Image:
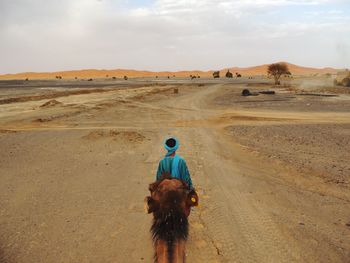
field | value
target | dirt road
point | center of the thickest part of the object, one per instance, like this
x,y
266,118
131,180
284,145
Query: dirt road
x,y
73,179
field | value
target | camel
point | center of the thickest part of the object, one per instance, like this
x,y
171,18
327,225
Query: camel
x,y
216,74
229,74
170,202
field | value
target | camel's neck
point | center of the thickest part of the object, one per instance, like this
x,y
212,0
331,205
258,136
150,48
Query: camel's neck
x,y
170,231
177,251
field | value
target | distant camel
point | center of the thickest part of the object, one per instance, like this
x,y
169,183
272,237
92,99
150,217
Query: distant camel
x,y
216,74
229,74
170,202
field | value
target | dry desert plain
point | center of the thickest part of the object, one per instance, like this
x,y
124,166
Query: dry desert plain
x,y
272,171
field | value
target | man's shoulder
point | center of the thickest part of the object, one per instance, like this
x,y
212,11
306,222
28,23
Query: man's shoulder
x,y
168,159
165,160
182,160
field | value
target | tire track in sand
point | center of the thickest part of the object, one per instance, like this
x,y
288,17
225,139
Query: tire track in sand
x,y
236,228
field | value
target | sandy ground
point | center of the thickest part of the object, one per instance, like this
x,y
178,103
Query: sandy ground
x,y
74,172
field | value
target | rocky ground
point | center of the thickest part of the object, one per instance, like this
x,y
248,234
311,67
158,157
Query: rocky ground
x,y
272,171
313,149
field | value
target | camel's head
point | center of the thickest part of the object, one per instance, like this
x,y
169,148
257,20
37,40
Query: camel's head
x,y
170,193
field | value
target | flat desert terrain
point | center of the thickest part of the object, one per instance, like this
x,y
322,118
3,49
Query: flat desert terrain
x,y
272,171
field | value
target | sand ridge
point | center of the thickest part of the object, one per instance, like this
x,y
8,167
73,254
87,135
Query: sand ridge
x,y
120,73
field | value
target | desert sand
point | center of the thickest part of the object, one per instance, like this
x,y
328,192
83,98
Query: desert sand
x,y
86,74
271,171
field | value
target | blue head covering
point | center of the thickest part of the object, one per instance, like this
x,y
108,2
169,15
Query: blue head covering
x,y
171,150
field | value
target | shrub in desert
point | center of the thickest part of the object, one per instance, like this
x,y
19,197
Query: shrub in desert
x,y
198,77
125,77
216,74
168,77
114,78
229,74
193,77
107,76
90,79
276,70
238,75
75,78
26,79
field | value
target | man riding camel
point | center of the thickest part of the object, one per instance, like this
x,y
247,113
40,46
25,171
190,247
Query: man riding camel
x,y
174,164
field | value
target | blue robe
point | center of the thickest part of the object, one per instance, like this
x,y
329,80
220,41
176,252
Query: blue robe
x,y
165,165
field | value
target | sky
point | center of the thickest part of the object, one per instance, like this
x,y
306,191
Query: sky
x,y
52,35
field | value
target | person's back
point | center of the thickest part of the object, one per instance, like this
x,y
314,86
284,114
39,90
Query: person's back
x,y
174,164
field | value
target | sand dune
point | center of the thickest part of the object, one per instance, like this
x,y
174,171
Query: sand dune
x,y
120,73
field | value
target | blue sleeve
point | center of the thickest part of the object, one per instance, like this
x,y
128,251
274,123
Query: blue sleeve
x,y
159,171
185,174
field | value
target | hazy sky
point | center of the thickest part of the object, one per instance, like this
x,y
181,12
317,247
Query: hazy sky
x,y
48,35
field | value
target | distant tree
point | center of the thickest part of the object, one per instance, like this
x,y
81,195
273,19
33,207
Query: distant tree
x,y
238,75
216,74
276,70
229,74
125,77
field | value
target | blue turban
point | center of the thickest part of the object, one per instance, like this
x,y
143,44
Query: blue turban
x,y
171,150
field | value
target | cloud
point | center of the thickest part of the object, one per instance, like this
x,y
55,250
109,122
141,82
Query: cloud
x,y
41,35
